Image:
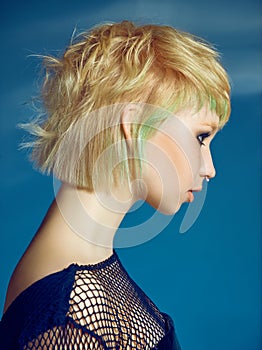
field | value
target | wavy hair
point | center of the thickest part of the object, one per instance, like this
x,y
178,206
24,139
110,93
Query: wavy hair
x,y
118,63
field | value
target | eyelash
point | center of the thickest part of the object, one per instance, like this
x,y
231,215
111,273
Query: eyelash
x,y
202,137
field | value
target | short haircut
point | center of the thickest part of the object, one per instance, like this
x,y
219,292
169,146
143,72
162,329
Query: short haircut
x,y
118,63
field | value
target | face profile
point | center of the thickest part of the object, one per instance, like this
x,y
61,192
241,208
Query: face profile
x,y
184,160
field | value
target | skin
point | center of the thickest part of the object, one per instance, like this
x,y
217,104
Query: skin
x,y
171,169
178,163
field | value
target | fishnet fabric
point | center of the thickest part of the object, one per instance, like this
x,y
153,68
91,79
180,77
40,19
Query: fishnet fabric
x,y
106,310
66,337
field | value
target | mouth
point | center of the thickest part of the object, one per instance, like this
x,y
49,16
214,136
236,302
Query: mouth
x,y
196,189
191,195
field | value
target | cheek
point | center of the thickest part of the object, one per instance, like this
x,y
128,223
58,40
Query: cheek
x,y
167,175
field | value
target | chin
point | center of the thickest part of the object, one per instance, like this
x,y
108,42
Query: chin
x,y
168,209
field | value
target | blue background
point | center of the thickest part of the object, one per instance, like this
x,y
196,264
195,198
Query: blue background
x,y
209,278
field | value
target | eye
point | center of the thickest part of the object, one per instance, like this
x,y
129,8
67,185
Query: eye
x,y
202,137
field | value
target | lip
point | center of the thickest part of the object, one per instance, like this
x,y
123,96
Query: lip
x,y
191,195
196,189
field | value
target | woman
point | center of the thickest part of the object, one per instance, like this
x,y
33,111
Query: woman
x,y
130,114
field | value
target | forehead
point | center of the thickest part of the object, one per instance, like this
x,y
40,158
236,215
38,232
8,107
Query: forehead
x,y
202,117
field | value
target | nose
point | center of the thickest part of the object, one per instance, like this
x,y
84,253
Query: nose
x,y
207,167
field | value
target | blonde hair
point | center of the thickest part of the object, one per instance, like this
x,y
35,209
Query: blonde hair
x,y
116,64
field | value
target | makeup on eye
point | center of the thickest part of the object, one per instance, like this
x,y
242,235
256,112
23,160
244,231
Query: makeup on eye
x,y
201,137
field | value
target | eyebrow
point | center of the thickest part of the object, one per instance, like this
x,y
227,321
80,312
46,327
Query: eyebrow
x,y
213,125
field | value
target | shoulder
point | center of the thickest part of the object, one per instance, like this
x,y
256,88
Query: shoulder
x,y
53,309
28,293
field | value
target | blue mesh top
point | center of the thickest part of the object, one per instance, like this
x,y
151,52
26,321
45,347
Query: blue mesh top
x,y
86,307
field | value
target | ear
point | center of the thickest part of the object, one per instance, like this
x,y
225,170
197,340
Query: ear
x,y
128,117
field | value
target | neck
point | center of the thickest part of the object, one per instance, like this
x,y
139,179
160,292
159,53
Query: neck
x,y
86,222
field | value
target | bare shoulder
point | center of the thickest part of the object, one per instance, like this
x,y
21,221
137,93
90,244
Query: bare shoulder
x,y
49,252
36,263
41,258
